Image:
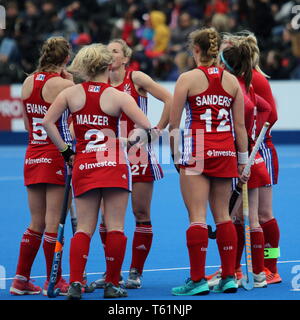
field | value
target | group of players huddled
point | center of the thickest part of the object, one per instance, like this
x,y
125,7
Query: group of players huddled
x,y
98,127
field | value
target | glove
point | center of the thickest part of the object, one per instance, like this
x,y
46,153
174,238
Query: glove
x,y
67,153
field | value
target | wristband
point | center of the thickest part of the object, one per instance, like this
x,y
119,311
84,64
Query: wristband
x,y
242,157
67,153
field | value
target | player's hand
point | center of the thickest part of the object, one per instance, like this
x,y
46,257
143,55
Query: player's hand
x,y
70,163
140,137
68,155
243,177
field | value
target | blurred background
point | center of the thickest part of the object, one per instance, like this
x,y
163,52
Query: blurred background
x,y
156,30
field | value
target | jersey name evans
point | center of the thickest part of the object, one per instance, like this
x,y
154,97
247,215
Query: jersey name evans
x,y
92,119
213,100
36,108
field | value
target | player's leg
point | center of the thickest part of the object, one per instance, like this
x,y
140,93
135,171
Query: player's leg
x,y
100,283
271,232
54,201
115,202
31,241
87,206
226,234
257,240
195,193
141,203
102,226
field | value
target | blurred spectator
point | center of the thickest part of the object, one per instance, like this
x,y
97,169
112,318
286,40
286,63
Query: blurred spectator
x,y
126,27
221,22
9,52
161,36
165,69
216,6
145,35
179,35
9,59
12,14
262,20
175,13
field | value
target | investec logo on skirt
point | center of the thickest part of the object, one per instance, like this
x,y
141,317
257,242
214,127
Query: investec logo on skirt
x,y
89,166
221,153
38,161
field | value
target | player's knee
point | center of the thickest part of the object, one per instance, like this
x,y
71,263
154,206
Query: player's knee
x,y
141,215
264,215
222,217
38,226
51,227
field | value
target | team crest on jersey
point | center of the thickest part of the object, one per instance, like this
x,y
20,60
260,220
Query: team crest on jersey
x,y
213,71
40,77
127,88
94,88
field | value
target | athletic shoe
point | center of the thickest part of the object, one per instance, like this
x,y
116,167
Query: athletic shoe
x,y
21,287
75,291
214,278
111,291
191,288
272,277
62,285
100,283
227,285
239,276
134,279
260,280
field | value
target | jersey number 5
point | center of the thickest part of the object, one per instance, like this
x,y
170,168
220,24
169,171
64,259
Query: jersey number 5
x,y
38,131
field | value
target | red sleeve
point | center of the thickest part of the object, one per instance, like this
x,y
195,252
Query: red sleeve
x,y
264,111
263,89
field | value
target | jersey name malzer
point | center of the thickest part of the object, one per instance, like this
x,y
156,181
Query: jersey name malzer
x,y
92,119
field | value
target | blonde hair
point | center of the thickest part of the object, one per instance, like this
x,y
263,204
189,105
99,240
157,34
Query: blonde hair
x,y
208,40
54,53
127,51
250,38
91,60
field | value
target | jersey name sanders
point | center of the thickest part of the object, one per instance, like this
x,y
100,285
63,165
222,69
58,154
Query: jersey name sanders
x,y
213,100
92,119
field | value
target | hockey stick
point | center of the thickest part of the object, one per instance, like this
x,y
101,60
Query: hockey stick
x,y
237,191
59,241
247,282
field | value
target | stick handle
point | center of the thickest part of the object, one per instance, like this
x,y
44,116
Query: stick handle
x,y
60,236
